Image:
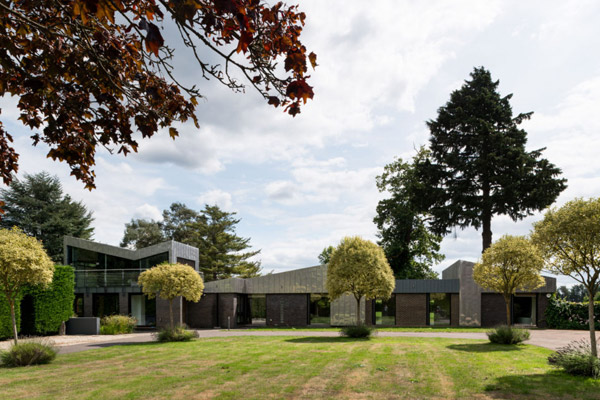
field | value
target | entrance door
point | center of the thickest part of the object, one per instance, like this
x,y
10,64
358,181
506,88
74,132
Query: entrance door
x,y
524,310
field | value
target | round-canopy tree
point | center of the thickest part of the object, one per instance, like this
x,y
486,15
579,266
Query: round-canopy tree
x,y
359,267
23,261
569,238
512,263
169,281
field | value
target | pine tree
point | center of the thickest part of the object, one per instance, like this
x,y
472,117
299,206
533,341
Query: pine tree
x,y
36,205
478,166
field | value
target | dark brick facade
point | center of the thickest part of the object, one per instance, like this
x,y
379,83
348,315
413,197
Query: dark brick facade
x,y
411,309
369,314
202,314
227,310
287,309
88,306
493,310
542,303
454,309
162,312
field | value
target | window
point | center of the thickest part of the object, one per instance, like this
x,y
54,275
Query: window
x,y
105,304
258,309
439,309
152,261
320,311
78,305
143,310
86,259
385,311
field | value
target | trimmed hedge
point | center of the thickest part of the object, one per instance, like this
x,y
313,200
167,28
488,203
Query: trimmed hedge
x,y
51,306
562,314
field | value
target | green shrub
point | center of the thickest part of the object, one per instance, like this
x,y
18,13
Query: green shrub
x,y
562,314
28,353
507,335
357,331
177,334
576,359
117,324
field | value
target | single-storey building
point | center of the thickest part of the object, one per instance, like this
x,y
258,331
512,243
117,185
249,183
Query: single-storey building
x,y
106,282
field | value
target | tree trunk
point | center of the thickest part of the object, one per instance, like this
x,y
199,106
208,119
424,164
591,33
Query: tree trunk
x,y
171,312
486,218
11,301
507,302
358,311
592,322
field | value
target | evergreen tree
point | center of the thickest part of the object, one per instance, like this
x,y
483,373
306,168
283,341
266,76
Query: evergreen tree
x,y
478,166
36,204
410,248
211,230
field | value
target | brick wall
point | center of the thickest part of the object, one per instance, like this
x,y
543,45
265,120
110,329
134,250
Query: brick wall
x,y
493,310
411,309
287,309
542,304
369,316
162,312
227,307
202,314
123,303
454,309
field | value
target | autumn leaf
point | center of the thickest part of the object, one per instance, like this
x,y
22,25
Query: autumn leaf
x,y
313,59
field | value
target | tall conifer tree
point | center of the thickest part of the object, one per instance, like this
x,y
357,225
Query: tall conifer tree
x,y
478,165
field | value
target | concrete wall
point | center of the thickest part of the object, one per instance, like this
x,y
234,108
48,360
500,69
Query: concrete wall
x,y
287,309
411,309
202,314
162,312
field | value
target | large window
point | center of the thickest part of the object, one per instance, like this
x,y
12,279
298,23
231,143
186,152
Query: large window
x,y
85,259
439,309
143,310
152,261
258,309
320,310
385,311
105,304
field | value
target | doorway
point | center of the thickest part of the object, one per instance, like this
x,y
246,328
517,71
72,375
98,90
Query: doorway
x,y
524,310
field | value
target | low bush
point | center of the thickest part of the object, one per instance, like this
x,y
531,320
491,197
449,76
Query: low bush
x,y
28,353
507,335
177,334
357,331
117,324
576,359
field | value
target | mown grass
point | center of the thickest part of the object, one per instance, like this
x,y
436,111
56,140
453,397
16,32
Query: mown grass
x,y
381,329
300,367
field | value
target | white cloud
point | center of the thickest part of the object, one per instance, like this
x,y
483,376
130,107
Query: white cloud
x,y
147,211
216,197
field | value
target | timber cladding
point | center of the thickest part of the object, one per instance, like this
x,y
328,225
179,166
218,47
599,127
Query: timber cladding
x,y
287,309
411,309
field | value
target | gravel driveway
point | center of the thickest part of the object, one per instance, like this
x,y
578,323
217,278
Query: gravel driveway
x,y
549,338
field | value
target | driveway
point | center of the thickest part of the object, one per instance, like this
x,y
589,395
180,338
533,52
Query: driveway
x,y
549,338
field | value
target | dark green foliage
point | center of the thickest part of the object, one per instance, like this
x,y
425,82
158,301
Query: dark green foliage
x,y
28,353
212,230
507,335
576,359
576,293
37,205
177,334
562,314
117,324
325,255
357,331
478,166
5,320
410,248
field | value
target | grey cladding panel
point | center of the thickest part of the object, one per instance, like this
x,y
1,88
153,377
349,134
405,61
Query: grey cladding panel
x,y
427,286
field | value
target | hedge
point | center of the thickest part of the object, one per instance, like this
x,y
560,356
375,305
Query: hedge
x,y
562,314
51,306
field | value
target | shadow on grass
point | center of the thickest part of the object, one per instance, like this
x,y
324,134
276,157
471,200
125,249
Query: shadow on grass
x,y
326,339
76,348
554,384
484,347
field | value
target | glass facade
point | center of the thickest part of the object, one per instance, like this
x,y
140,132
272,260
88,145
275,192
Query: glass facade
x,y
105,304
78,305
142,309
439,309
258,309
320,309
385,311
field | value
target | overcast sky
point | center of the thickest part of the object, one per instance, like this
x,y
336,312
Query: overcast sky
x,y
301,184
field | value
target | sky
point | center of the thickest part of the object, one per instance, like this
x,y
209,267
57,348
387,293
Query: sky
x,y
385,67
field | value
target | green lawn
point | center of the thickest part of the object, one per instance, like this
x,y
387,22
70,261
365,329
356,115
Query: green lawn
x,y
381,329
300,367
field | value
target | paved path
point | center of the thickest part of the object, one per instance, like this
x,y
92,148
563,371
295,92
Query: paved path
x,y
551,339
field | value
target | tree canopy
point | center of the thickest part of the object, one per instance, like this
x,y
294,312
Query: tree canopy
x,y
211,230
359,267
325,255
512,263
478,166
569,239
410,247
90,73
23,261
169,281
37,205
